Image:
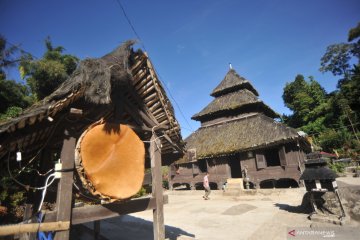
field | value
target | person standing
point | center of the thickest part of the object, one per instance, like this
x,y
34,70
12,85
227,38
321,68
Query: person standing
x,y
206,186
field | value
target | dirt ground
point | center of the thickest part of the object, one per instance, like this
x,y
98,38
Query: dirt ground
x,y
269,215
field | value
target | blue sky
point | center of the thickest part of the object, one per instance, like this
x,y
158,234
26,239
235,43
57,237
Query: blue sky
x,y
191,42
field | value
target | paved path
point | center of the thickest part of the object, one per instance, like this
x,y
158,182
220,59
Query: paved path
x,y
188,216
349,180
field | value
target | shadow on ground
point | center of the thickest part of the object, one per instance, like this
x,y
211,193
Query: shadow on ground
x,y
292,209
128,228
304,208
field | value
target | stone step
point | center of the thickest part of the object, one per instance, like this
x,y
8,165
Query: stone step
x,y
233,185
232,192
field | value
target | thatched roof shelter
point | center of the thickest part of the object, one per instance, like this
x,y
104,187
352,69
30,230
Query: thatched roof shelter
x,y
125,76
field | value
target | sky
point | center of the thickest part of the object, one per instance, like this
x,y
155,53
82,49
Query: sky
x,y
192,42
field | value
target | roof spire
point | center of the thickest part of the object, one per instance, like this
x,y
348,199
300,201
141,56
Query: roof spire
x,y
230,65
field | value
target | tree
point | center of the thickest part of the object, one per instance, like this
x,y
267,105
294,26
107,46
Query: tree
x,y
14,96
351,90
6,56
337,56
336,59
354,33
308,102
334,117
45,75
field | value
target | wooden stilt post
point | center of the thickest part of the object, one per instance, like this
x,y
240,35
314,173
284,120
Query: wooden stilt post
x,y
27,215
64,192
157,190
96,229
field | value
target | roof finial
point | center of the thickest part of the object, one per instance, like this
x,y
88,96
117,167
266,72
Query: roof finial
x,y
230,65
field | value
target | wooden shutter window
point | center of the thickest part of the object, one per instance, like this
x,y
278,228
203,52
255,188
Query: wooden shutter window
x,y
282,156
191,154
195,169
260,161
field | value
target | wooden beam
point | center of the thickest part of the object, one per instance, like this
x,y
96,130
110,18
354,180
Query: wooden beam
x,y
172,143
157,189
64,192
33,227
98,212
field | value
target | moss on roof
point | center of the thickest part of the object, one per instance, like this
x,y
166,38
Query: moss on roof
x,y
234,101
251,132
233,82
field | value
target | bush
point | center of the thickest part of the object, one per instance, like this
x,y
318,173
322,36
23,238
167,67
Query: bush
x,y
11,112
165,184
142,192
337,167
331,139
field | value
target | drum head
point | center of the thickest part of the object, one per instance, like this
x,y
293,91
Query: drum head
x,y
112,161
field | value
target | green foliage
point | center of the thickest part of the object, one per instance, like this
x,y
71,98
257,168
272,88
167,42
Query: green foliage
x,y
330,119
142,192
165,184
350,90
7,53
337,56
337,167
13,94
16,199
42,77
316,126
354,33
292,89
308,102
45,75
3,195
11,112
11,198
165,171
336,59
331,139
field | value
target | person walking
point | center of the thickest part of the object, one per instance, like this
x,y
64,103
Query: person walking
x,y
206,186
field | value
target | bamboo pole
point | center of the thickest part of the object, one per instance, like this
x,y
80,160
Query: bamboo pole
x,y
33,227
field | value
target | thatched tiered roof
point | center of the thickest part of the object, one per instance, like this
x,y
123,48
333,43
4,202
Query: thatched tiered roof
x,y
233,82
124,77
248,132
234,96
234,102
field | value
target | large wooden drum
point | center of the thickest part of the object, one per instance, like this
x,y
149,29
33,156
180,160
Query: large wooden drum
x,y
110,161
